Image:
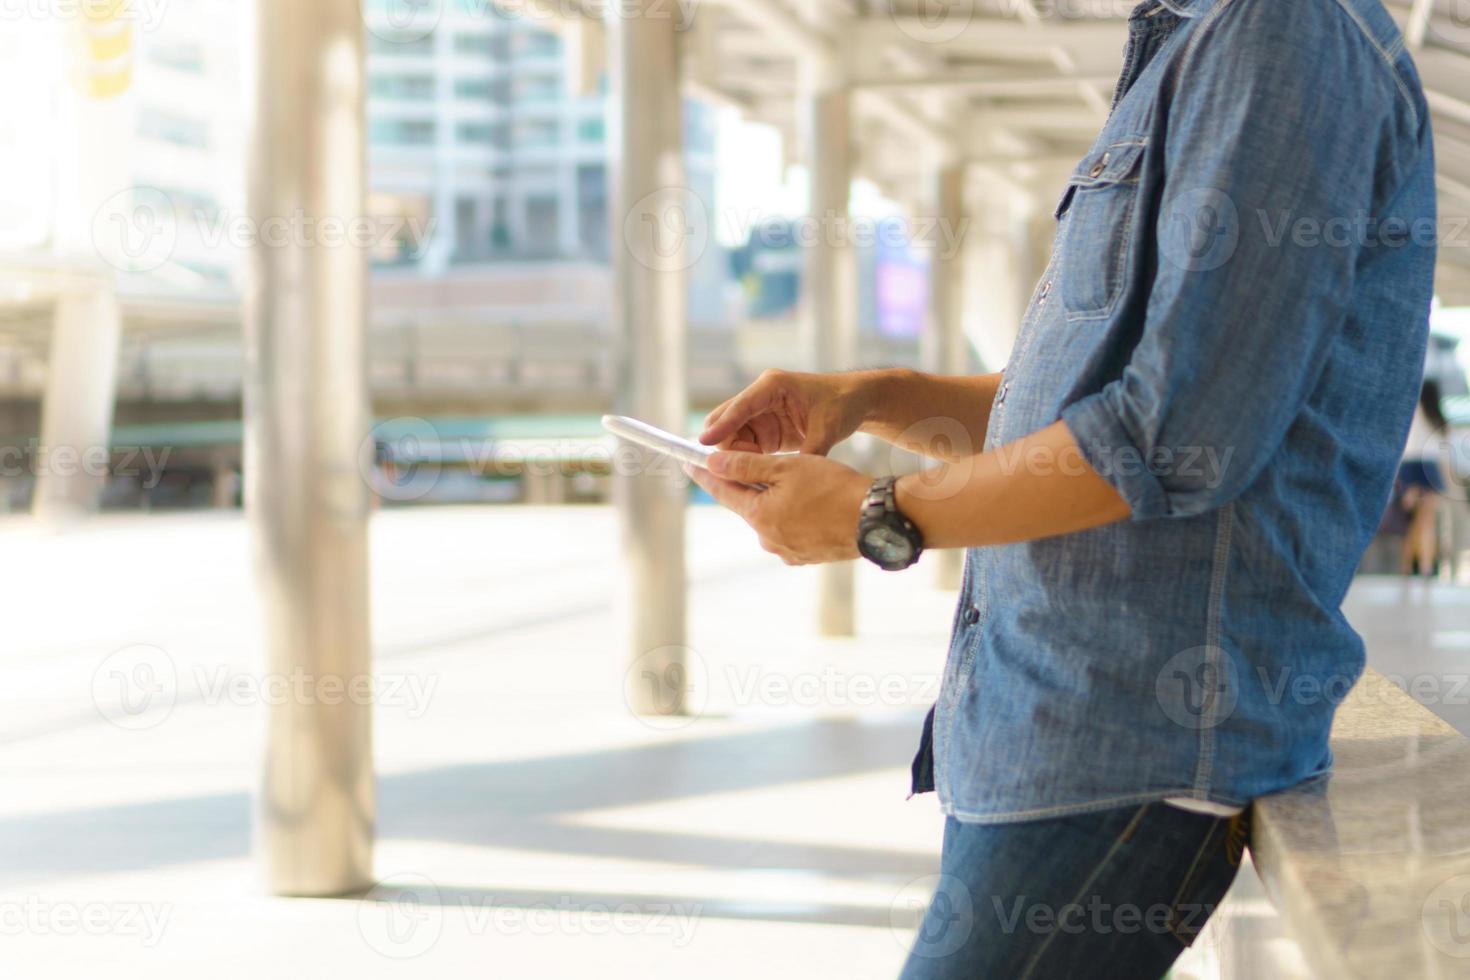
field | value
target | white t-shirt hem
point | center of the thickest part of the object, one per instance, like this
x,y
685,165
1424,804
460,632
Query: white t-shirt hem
x,y
1203,806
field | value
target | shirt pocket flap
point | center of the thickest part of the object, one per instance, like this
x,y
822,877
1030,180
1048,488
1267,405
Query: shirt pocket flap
x,y
1112,164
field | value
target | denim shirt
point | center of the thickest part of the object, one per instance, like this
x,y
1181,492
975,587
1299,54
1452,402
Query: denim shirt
x,y
1232,324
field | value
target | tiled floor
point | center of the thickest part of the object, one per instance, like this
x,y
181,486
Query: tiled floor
x,y
529,825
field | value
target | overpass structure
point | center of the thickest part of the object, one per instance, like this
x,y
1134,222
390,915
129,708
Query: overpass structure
x,y
970,113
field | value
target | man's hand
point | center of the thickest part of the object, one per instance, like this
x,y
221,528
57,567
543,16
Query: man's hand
x,y
784,411
808,512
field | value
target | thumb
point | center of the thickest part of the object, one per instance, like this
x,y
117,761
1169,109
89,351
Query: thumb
x,y
744,467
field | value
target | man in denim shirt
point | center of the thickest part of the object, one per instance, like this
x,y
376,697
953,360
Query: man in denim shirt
x,y
1176,475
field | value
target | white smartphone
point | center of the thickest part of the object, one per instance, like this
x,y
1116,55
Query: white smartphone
x,y
652,437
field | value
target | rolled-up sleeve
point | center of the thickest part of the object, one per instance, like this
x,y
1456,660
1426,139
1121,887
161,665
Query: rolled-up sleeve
x,y
1267,185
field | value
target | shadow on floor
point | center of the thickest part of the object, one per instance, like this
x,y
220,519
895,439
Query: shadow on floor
x,y
521,804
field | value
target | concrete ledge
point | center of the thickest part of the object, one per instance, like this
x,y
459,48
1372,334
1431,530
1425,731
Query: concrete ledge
x,y
1370,867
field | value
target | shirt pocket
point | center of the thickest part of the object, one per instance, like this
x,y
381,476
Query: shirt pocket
x,y
1098,208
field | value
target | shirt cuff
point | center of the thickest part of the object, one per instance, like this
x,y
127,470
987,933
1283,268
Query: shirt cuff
x,y
1110,450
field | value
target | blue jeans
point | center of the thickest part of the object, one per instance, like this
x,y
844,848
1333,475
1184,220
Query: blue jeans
x,y
1118,893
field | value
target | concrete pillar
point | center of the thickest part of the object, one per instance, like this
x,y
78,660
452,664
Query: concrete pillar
x,y
1008,245
222,470
655,238
944,348
77,405
829,284
306,431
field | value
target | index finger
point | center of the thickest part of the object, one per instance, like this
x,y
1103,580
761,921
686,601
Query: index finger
x,y
735,413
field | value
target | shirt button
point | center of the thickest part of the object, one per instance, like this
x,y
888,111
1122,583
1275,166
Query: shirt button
x,y
972,616
1001,396
1099,167
1045,289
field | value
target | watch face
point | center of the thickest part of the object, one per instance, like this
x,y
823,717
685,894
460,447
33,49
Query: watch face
x,y
886,546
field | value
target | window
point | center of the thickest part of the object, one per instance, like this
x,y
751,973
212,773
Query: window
x,y
482,8
408,44
541,225
534,44
592,229
401,132
535,133
474,44
475,88
180,55
488,133
414,88
591,130
538,88
173,128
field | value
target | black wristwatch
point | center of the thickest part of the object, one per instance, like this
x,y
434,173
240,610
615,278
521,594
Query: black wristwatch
x,y
885,537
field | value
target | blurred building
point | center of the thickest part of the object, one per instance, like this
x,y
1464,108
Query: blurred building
x,y
488,215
